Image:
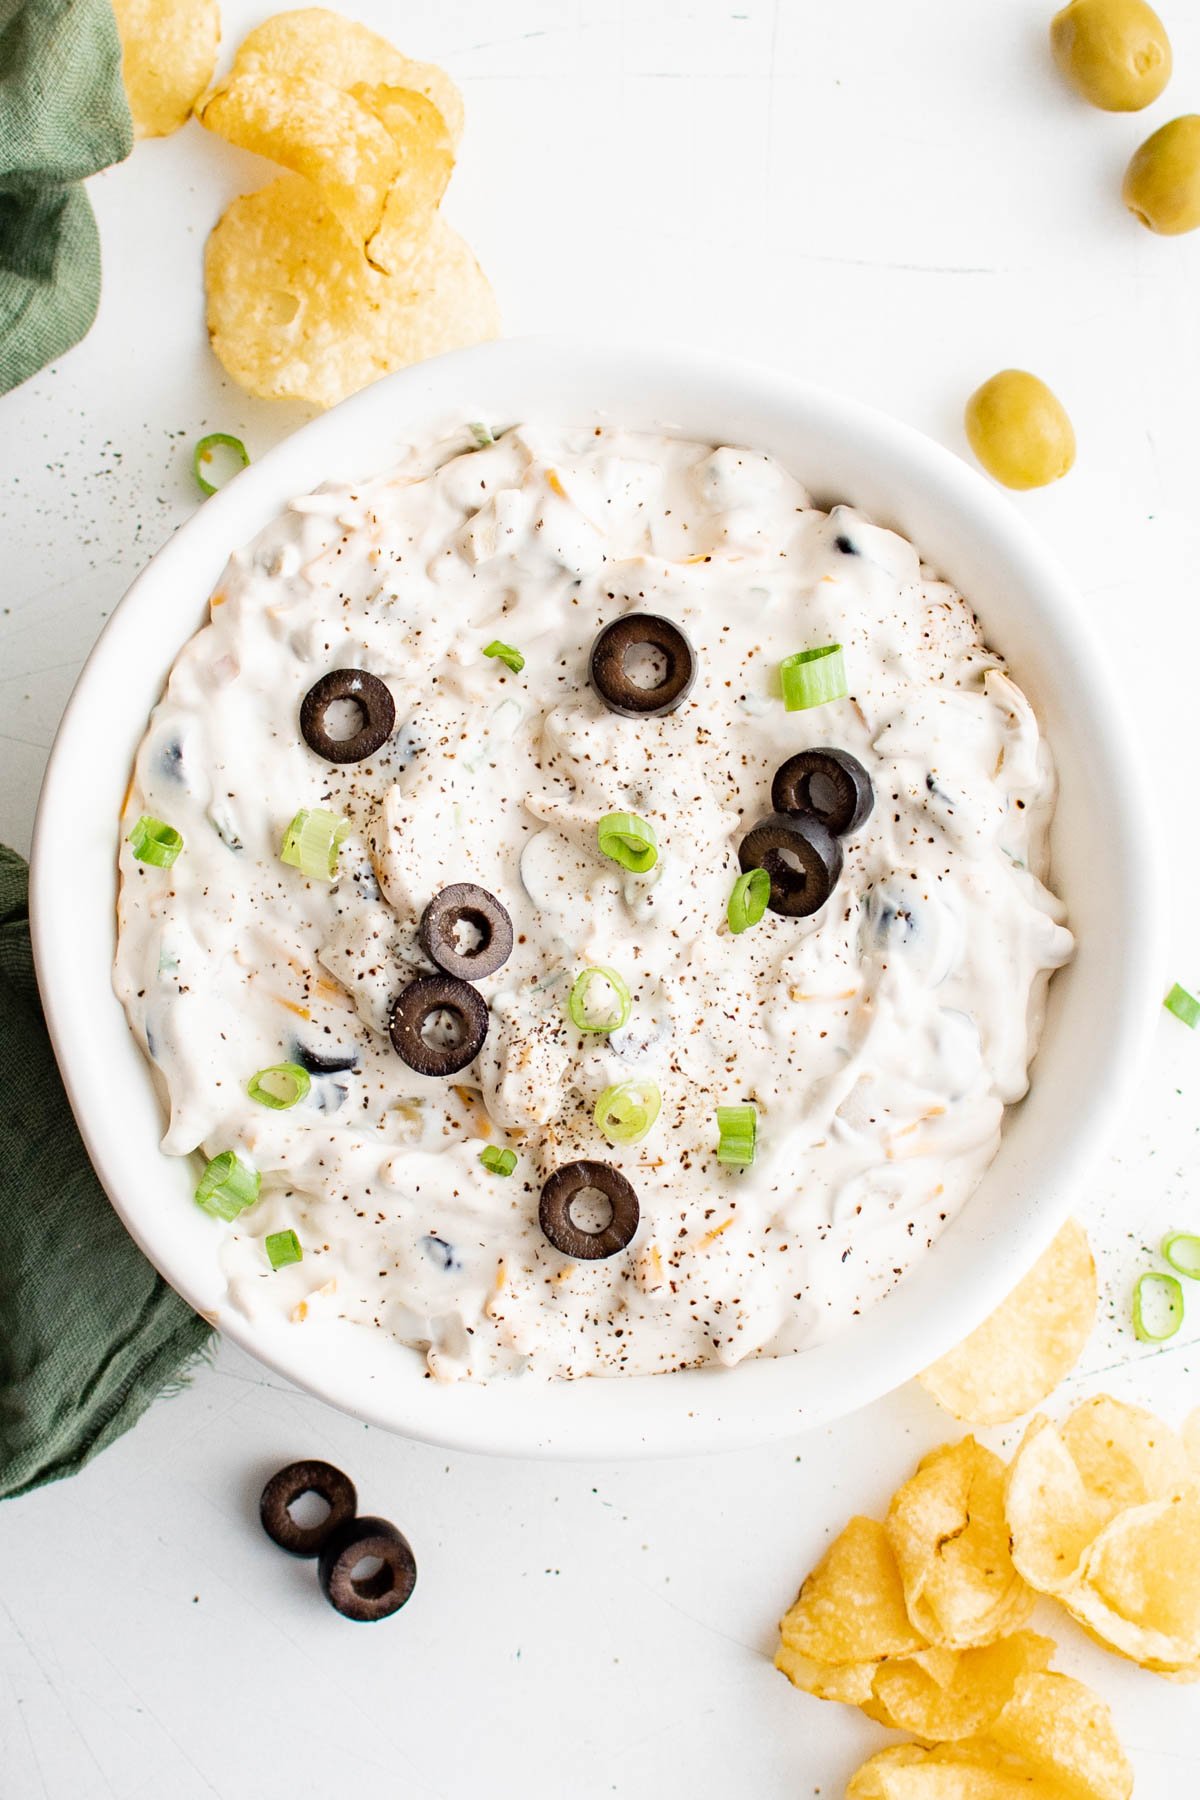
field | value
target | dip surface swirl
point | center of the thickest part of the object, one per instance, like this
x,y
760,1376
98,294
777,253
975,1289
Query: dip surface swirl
x,y
879,1039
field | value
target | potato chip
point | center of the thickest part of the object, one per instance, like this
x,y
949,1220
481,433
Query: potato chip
x,y
851,1608
1064,1733
321,44
1052,1518
848,1682
947,1772
425,151
940,1703
317,131
296,312
168,53
1024,1349
1138,1588
1125,1455
950,1538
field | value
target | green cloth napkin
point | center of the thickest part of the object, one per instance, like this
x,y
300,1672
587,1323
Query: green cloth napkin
x,y
90,1333
63,115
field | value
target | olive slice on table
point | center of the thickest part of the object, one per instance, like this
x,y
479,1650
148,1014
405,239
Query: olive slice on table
x,y
571,1183
655,647
374,1596
286,1487
802,858
487,934
376,708
830,785
463,1023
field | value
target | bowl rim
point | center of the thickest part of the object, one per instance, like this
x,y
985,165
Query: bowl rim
x,y
677,1413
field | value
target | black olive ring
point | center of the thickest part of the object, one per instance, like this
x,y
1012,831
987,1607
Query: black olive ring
x,y
830,785
415,1005
373,1596
619,692
466,904
799,888
285,1488
554,1210
374,701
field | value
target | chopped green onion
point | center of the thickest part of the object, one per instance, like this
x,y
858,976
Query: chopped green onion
x,y
629,841
1168,1307
1182,1250
152,841
283,1247
203,454
812,677
738,1126
311,841
1185,1006
626,1112
227,1187
512,659
592,1008
480,432
497,1161
280,1086
748,901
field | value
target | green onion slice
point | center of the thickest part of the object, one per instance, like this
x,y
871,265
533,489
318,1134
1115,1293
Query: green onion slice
x,y
813,677
283,1247
1182,1250
629,841
311,842
748,901
599,1000
498,1161
202,454
227,1187
512,659
153,841
738,1126
1185,1006
280,1086
481,433
625,1113
1167,1307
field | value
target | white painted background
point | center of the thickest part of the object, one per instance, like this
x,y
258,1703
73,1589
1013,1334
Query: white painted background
x,y
895,199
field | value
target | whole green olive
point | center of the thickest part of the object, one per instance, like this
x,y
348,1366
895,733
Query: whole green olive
x,y
1116,53
1162,182
1019,430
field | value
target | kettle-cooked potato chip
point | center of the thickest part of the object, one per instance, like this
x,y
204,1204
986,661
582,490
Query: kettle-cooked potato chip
x,y
948,1532
1124,1454
947,1772
317,131
851,1608
1064,1733
959,1697
1138,1587
168,54
296,312
1052,1516
1023,1350
316,42
851,1683
425,151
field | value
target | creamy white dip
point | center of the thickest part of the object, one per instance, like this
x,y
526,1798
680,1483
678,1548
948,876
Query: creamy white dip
x,y
880,1039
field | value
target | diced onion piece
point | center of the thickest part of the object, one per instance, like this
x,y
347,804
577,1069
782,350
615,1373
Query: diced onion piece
x,y
1168,1307
813,677
1185,1006
227,1187
498,1161
202,454
748,901
738,1128
283,1247
512,659
311,842
481,433
628,840
154,841
280,1086
592,1008
625,1113
1182,1250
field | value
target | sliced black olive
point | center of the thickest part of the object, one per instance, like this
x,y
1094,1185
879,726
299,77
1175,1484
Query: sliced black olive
x,y
565,1187
376,708
801,857
373,1596
831,785
484,923
845,545
316,1064
665,654
460,1031
285,1488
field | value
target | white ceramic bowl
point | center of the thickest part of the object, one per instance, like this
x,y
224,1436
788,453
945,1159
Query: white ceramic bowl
x,y
1104,856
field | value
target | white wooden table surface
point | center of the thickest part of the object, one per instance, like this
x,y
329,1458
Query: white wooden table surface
x,y
895,199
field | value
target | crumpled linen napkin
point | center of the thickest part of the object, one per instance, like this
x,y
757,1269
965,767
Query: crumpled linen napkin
x,y
63,116
90,1333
